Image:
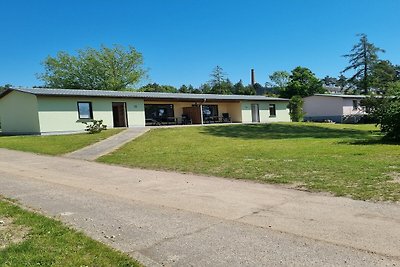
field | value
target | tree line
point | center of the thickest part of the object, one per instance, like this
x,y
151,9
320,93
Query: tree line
x,y
218,84
120,68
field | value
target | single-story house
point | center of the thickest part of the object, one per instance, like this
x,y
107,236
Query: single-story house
x,y
40,110
334,107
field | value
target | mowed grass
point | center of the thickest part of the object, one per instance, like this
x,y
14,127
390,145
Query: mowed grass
x,y
346,160
48,242
54,144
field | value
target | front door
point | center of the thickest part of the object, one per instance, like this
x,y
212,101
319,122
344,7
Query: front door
x,y
119,114
255,113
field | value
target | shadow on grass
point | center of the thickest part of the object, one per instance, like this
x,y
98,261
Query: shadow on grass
x,y
284,131
371,141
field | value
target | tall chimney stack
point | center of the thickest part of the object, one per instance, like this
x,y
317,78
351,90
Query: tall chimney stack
x,y
253,78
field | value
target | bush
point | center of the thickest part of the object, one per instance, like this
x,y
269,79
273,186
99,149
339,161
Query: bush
x,y
296,108
385,110
389,118
94,126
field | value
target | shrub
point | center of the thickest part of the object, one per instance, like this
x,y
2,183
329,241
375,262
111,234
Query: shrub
x,y
389,118
385,110
94,126
296,108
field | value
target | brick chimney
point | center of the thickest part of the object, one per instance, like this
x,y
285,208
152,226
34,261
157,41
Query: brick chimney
x,y
253,78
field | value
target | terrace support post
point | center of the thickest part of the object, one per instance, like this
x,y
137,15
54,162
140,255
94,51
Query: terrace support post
x,y
201,114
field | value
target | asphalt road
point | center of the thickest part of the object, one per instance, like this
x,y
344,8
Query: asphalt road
x,y
170,219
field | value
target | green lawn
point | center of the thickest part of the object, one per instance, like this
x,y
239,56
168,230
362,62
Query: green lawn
x,y
47,242
346,160
54,144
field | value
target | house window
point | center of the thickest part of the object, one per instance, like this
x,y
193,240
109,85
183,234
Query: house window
x,y
159,112
85,110
210,111
272,110
355,104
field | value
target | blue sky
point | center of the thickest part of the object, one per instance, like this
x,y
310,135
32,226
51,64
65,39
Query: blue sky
x,y
183,40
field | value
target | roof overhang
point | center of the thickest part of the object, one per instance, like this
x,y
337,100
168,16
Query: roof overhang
x,y
147,96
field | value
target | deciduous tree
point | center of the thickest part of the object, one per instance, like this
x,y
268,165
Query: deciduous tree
x,y
108,68
155,87
302,82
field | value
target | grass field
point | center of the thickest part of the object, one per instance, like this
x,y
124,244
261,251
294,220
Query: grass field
x,y
30,239
54,144
346,160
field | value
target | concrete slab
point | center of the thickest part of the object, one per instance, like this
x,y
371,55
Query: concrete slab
x,y
108,145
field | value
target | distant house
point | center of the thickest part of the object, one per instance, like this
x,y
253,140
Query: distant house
x,y
40,111
334,89
334,107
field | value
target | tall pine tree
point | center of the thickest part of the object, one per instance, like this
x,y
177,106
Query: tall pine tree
x,y
362,59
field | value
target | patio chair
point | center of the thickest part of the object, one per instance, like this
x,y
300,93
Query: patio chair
x,y
226,117
186,119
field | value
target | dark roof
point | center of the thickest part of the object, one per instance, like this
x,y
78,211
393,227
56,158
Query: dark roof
x,y
134,94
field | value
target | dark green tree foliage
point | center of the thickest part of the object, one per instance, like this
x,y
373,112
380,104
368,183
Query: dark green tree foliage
x,y
193,90
258,89
302,82
205,88
188,89
342,82
155,87
219,83
5,87
385,110
362,59
114,68
279,80
330,81
183,89
224,88
384,73
296,108
238,88
249,90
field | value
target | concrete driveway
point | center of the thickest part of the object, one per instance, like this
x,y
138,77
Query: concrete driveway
x,y
172,219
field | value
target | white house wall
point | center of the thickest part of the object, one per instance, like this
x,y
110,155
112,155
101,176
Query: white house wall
x,y
323,106
348,107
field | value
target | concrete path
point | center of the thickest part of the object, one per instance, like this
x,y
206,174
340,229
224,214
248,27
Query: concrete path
x,y
108,145
171,219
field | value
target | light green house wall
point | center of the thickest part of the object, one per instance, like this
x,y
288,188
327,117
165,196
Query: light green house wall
x,y
282,112
25,113
61,113
19,114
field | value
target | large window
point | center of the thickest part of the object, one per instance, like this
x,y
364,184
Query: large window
x,y
85,110
210,111
159,112
272,110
